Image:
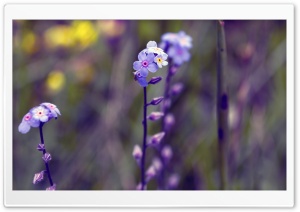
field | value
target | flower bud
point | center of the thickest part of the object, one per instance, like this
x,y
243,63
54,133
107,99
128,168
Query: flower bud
x,y
167,153
41,147
155,139
166,104
155,116
173,181
51,188
173,70
155,80
46,157
150,173
177,88
169,121
137,152
156,163
139,187
38,177
156,100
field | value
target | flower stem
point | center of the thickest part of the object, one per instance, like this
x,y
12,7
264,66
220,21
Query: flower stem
x,y
144,141
44,152
161,177
222,102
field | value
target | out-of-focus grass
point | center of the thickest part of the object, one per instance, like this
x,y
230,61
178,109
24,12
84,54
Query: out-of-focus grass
x,y
85,68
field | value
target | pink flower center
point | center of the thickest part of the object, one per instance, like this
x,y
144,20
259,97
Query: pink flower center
x,y
145,63
27,117
40,113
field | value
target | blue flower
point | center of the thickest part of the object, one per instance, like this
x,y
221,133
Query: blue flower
x,y
145,63
178,54
170,37
184,40
177,46
152,47
53,109
141,80
37,115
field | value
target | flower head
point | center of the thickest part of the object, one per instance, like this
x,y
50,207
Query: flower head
x,y
152,47
53,109
37,115
179,54
184,40
149,60
145,63
161,60
177,46
141,80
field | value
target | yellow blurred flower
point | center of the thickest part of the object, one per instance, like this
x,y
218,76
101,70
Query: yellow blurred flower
x,y
84,33
29,44
58,36
55,81
111,28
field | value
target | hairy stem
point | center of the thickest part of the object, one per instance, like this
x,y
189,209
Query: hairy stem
x,y
144,142
44,152
222,102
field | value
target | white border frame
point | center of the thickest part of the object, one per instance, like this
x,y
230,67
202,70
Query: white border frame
x,y
149,198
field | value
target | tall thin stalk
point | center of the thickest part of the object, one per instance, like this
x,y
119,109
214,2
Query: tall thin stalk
x,y
44,152
143,181
222,102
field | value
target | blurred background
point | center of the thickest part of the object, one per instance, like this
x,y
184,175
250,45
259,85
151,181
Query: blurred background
x,y
85,68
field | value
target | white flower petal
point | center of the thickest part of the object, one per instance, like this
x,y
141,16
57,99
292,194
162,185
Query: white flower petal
x,y
151,44
165,63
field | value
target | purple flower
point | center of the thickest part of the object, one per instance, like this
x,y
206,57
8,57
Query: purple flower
x,y
145,63
40,114
53,109
141,80
170,37
27,122
184,40
152,47
178,54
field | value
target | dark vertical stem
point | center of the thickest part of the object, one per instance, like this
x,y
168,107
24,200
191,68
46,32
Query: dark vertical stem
x,y
144,141
222,102
44,152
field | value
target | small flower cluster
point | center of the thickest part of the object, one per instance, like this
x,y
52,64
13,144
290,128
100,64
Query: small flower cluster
x,y
37,115
177,45
150,59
